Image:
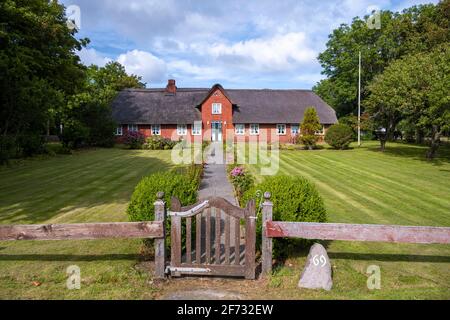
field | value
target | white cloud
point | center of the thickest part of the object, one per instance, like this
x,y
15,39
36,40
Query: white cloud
x,y
281,52
92,56
142,63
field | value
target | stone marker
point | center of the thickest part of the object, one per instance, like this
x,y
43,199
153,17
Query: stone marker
x,y
317,272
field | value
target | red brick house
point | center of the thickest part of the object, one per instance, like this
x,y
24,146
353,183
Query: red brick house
x,y
245,114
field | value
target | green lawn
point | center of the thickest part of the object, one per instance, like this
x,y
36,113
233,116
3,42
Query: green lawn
x,y
364,185
360,185
89,186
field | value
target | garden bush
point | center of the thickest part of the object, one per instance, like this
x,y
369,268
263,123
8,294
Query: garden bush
x,y
159,143
141,207
241,179
134,140
339,136
294,199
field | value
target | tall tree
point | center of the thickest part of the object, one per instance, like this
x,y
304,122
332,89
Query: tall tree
x,y
416,29
309,127
414,89
39,66
87,117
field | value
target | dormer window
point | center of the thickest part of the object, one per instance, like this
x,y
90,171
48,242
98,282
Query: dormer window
x,y
216,108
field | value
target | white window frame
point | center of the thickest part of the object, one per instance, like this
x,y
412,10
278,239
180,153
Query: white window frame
x,y
218,110
196,128
279,126
182,129
133,128
119,131
239,129
292,129
156,129
254,129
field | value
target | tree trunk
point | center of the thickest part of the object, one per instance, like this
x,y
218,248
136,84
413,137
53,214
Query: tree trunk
x,y
435,142
382,144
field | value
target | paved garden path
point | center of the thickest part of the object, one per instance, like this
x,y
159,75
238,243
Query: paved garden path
x,y
215,181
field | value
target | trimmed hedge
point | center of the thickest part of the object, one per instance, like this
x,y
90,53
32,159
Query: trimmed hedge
x,y
294,199
339,136
141,207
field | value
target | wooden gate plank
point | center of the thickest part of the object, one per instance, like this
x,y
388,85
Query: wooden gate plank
x,y
227,239
237,241
250,239
217,218
198,238
208,236
188,240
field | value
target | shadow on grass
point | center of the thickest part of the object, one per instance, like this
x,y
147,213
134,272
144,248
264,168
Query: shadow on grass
x,y
75,183
69,257
415,152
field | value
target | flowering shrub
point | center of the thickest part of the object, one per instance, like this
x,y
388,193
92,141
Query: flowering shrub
x,y
159,143
241,180
134,140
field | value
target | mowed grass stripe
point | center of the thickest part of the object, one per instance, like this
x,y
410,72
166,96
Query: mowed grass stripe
x,y
415,196
339,189
334,200
89,188
395,174
359,187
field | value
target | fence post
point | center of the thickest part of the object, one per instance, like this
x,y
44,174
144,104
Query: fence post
x,y
160,243
266,247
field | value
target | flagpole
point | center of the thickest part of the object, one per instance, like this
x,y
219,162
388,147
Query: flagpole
x,y
359,101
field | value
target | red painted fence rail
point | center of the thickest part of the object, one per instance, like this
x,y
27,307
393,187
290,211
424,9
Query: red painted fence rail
x,y
357,232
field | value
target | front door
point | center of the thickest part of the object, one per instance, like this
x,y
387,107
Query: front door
x,y
216,128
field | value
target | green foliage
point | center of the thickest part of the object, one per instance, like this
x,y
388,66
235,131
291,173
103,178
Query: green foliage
x,y
91,107
141,207
75,134
159,143
241,179
339,136
8,148
310,125
39,68
294,199
134,140
416,29
414,89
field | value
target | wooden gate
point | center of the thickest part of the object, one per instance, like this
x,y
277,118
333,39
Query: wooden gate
x,y
206,239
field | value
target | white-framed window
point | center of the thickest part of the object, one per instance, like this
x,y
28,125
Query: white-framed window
x,y
216,108
254,129
197,128
295,129
119,131
281,129
239,129
156,129
182,129
133,128
321,132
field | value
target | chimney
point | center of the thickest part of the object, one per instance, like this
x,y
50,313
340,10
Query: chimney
x,y
171,88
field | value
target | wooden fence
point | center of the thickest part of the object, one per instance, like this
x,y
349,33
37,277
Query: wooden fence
x,y
341,231
271,229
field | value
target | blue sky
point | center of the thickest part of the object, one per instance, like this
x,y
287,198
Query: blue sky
x,y
239,44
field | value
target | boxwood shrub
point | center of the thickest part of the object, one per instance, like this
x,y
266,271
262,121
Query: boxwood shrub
x,y
294,199
339,136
